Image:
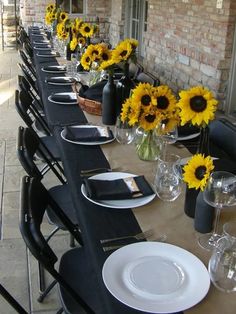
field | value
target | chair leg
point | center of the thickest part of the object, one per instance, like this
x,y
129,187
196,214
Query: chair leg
x,y
60,311
42,285
46,291
72,241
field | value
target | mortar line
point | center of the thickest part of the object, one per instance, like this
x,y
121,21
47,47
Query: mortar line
x,y
2,189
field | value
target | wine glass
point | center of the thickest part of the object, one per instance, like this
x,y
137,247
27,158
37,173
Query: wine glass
x,y
220,192
124,133
222,264
168,179
168,135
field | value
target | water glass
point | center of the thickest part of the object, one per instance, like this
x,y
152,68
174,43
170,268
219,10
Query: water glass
x,y
124,133
168,179
229,230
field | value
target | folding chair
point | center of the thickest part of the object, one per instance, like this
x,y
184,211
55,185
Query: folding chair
x,y
27,63
145,77
30,114
71,274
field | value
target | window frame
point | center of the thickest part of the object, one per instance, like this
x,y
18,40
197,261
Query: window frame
x,y
76,14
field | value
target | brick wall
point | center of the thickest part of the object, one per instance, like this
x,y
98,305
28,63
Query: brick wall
x,y
190,43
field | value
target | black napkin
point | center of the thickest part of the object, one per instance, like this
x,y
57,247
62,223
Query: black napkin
x,y
60,80
86,134
116,189
93,92
63,98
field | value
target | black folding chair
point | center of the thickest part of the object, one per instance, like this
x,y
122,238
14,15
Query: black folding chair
x,y
145,77
30,147
29,113
28,75
74,284
29,65
12,301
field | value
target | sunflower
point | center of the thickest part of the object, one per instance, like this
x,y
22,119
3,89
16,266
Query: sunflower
x,y
106,54
81,41
105,65
125,110
143,96
197,171
73,44
197,106
149,120
94,52
86,61
122,51
165,99
86,30
63,16
50,7
78,23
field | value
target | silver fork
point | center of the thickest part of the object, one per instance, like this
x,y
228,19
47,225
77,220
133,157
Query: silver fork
x,y
138,236
161,238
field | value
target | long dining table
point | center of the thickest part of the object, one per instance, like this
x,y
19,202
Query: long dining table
x,y
97,222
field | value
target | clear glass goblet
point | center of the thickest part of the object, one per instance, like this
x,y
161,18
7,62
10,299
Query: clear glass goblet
x,y
167,134
220,192
168,179
124,133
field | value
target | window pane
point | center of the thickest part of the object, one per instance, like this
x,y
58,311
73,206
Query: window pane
x,y
64,5
77,6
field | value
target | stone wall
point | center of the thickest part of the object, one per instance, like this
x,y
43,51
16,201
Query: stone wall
x,y
117,21
10,22
189,42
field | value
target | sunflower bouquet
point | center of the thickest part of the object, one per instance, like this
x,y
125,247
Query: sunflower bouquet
x,y
147,107
52,15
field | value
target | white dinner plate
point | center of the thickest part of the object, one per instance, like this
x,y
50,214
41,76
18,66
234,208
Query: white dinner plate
x,y
188,137
41,42
42,48
119,204
67,80
48,55
156,277
54,69
85,143
73,96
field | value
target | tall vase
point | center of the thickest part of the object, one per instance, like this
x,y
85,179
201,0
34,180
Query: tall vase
x,y
109,102
192,194
123,87
147,146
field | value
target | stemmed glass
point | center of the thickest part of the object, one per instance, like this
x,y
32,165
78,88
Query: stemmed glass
x,y
168,136
124,133
220,192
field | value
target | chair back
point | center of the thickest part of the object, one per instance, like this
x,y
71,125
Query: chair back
x,y
26,86
34,200
28,146
134,70
27,63
28,111
28,76
145,77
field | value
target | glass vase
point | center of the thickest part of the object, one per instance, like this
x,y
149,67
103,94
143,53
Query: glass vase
x,y
147,145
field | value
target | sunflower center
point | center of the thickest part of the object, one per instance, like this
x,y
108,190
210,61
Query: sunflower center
x,y
87,29
162,102
200,172
198,103
63,16
150,118
105,56
124,53
145,100
87,59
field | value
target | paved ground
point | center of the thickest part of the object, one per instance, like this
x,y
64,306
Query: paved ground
x,y
18,269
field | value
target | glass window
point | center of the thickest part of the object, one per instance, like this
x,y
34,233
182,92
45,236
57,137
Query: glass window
x,y
72,6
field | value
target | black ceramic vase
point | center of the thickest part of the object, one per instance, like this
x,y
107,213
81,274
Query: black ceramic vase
x,y
190,202
123,88
204,215
203,146
109,102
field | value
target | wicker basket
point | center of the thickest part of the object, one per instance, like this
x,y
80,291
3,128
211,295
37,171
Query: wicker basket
x,y
90,106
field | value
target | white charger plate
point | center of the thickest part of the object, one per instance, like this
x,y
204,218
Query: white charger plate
x,y
72,96
41,42
85,143
188,137
119,204
54,69
156,277
48,55
67,80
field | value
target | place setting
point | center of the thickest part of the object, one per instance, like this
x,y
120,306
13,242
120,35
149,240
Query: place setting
x,y
65,98
61,80
54,69
50,54
87,134
120,190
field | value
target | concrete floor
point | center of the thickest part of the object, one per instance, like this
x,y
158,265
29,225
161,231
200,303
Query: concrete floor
x,y
18,269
